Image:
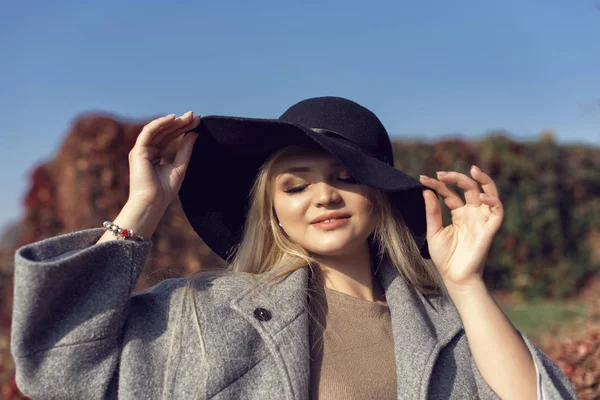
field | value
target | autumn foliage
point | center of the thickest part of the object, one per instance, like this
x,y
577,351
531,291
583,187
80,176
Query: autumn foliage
x,y
549,244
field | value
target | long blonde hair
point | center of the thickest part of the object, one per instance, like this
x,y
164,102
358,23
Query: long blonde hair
x,y
265,249
266,254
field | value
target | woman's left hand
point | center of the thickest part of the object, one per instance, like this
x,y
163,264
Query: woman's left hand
x,y
460,249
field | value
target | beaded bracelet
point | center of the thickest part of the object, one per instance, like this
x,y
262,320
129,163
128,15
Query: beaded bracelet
x,y
121,233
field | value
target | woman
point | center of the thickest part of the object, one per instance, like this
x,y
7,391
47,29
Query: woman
x,y
329,292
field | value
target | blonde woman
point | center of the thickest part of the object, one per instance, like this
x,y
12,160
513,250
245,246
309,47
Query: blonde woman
x,y
342,283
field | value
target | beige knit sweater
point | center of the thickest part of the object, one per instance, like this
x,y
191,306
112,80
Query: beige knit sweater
x,y
352,348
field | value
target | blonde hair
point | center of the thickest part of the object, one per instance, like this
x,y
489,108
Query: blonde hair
x,y
265,253
264,247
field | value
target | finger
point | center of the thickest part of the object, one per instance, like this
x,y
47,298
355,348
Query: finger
x,y
487,183
193,121
451,198
184,153
494,203
433,213
180,122
177,133
145,136
470,187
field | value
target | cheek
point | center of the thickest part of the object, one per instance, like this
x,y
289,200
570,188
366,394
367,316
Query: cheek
x,y
290,208
364,208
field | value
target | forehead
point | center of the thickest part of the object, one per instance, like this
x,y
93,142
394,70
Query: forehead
x,y
299,158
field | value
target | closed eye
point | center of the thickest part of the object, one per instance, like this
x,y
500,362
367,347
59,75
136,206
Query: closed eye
x,y
296,189
299,189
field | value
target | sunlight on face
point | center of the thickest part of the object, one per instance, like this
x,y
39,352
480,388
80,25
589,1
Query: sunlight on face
x,y
307,184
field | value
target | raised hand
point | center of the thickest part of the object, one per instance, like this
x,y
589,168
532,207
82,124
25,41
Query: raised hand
x,y
460,249
150,181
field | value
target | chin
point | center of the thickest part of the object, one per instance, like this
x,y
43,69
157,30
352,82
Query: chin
x,y
333,249
329,252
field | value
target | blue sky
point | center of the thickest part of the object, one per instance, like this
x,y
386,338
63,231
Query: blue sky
x,y
427,68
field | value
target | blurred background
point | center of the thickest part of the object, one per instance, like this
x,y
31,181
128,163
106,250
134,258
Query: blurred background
x,y
511,86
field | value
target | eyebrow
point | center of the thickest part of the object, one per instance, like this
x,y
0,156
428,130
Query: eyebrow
x,y
306,169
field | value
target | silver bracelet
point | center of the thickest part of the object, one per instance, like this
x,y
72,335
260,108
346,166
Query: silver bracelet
x,y
121,233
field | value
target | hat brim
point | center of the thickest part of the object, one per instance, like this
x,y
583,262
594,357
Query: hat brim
x,y
216,203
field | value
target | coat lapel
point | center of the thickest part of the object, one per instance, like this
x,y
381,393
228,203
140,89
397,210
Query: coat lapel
x,y
422,326
286,333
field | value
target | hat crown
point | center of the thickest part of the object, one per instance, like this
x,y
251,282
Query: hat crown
x,y
346,118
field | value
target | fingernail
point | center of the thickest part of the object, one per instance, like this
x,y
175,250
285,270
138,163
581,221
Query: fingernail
x,y
424,177
475,167
442,173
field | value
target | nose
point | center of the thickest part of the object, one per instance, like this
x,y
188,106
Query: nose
x,y
326,194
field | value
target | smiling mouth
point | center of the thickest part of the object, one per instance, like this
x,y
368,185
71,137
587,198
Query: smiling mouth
x,y
331,224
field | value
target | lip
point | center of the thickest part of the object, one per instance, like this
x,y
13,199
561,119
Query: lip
x,y
331,225
332,215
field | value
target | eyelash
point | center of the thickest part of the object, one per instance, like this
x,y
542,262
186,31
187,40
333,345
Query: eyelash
x,y
299,189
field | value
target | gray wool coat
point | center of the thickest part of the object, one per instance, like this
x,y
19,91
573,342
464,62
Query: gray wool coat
x,y
79,333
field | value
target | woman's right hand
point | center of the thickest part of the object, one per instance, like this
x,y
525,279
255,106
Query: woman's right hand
x,y
150,182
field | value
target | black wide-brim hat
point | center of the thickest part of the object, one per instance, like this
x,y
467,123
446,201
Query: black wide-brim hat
x,y
229,152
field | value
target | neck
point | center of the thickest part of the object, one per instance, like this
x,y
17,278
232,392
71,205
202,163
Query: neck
x,y
350,274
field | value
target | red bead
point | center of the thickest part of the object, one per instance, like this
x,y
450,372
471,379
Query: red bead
x,y
125,232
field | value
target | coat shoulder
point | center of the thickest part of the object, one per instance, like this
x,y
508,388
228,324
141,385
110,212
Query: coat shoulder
x,y
211,286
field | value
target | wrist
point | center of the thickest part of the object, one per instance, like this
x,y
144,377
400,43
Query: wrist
x,y
466,292
143,209
143,218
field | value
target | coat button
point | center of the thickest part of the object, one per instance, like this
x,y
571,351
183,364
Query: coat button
x,y
262,314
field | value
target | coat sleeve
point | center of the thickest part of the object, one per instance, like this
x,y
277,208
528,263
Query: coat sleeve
x,y
71,297
552,383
